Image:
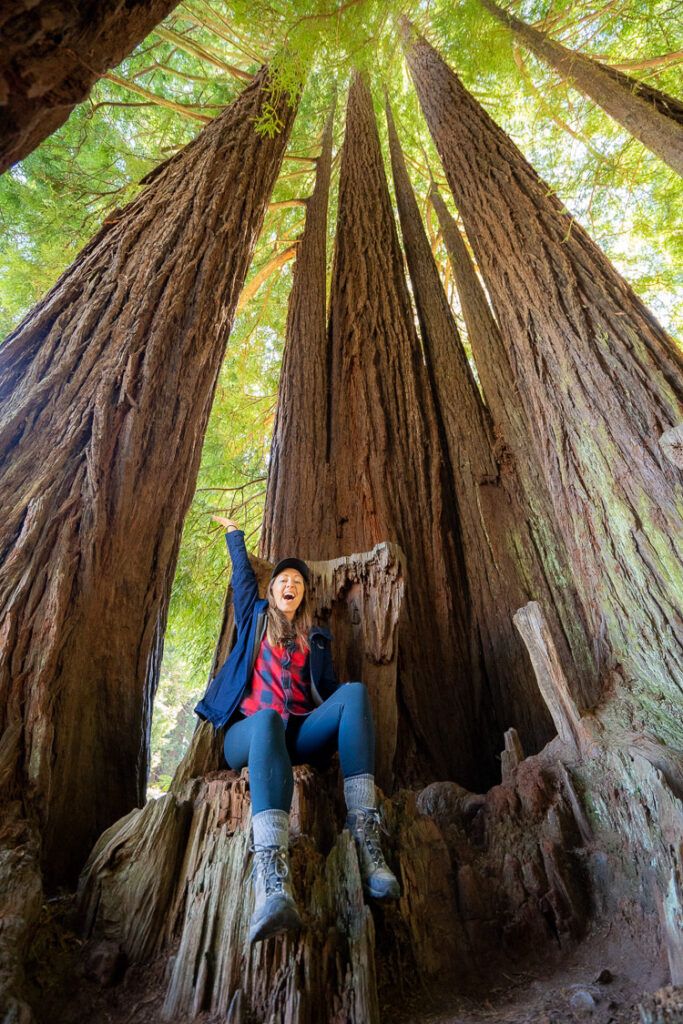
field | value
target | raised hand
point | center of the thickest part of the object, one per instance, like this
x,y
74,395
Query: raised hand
x,y
227,524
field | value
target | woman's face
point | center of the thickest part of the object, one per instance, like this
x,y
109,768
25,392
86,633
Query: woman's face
x,y
288,592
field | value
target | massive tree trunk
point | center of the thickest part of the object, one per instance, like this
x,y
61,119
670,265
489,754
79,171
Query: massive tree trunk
x,y
106,389
53,54
516,449
599,381
299,501
654,118
503,570
385,449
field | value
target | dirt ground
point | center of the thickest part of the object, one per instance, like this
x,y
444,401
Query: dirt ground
x,y
602,981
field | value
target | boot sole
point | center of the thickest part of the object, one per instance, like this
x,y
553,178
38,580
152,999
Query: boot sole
x,y
285,918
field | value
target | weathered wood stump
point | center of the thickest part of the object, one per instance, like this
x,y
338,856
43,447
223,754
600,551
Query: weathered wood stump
x,y
486,881
174,877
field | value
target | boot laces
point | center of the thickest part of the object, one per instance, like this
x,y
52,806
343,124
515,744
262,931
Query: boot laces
x,y
369,825
272,862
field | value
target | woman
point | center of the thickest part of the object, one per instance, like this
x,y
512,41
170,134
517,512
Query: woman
x,y
279,700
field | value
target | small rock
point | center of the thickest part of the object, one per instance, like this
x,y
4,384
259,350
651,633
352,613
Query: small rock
x,y
605,977
582,1002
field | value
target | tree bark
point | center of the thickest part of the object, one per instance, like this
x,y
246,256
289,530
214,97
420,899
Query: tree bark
x,y
516,452
385,450
502,563
53,54
106,390
654,118
600,382
299,500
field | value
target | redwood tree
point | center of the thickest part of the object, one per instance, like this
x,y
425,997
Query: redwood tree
x,y
53,54
599,380
516,452
299,500
503,570
654,118
105,391
392,482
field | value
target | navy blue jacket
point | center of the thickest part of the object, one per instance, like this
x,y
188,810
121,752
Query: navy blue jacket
x,y
226,689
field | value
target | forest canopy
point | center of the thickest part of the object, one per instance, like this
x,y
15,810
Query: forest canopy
x,y
196,63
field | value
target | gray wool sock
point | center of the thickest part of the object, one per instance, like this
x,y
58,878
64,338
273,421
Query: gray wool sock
x,y
271,828
359,791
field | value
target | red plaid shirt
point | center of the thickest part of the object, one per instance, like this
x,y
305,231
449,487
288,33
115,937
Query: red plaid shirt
x,y
281,681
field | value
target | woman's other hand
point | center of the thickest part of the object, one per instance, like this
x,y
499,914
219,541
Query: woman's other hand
x,y
227,524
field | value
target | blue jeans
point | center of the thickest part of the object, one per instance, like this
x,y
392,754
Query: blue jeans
x,y
262,741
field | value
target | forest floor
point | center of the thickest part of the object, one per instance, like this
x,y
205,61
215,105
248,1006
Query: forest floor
x,y
601,981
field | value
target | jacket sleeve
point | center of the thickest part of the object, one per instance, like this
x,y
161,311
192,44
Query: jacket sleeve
x,y
244,584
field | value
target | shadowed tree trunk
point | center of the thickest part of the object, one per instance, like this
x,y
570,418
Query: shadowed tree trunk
x,y
518,454
299,501
106,389
654,118
392,483
52,55
600,382
502,564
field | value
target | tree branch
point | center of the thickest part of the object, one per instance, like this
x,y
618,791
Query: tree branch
x,y
160,101
273,264
195,50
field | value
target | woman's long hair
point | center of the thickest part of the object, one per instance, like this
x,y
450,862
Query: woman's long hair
x,y
280,630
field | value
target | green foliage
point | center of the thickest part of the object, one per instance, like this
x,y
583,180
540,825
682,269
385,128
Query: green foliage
x,y
55,200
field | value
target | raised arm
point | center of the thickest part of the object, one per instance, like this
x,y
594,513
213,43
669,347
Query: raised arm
x,y
244,584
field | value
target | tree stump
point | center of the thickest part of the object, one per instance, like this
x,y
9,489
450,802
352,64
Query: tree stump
x,y
487,881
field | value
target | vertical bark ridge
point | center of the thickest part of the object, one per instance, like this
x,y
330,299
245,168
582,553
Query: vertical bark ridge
x,y
653,117
599,380
501,560
516,452
392,481
299,499
106,389
53,54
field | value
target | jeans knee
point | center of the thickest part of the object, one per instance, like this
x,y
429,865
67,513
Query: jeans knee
x,y
356,691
